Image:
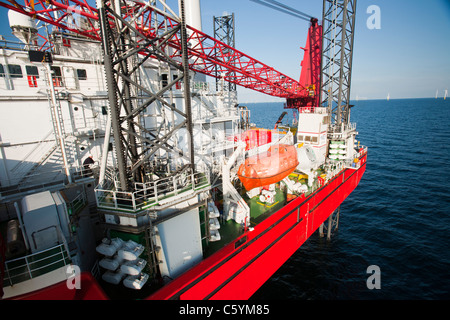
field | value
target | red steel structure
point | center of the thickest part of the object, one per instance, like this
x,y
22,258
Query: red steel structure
x,y
255,256
310,77
206,54
251,259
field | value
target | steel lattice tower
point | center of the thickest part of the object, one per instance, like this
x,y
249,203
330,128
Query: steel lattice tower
x,y
125,50
338,36
224,31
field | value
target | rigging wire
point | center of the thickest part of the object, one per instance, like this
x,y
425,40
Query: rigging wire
x,y
289,8
285,9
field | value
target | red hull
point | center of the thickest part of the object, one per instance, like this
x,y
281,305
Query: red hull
x,y
89,290
242,267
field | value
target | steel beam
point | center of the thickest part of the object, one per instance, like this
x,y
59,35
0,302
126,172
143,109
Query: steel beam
x,y
187,85
126,48
224,32
111,83
208,55
338,37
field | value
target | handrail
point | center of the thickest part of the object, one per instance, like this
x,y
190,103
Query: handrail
x,y
39,180
7,43
32,259
149,193
318,110
77,203
335,129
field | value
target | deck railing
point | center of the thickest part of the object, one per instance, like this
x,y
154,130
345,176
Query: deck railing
x,y
36,264
146,195
348,163
78,203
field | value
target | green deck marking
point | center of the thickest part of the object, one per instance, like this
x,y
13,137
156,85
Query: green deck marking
x,y
229,231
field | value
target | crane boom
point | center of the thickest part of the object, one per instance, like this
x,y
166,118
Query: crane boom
x,y
132,32
135,28
208,55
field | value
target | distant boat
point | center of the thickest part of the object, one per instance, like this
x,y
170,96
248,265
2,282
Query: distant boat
x,y
388,97
445,94
437,93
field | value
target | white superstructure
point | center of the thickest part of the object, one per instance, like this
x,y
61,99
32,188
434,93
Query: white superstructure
x,y
55,115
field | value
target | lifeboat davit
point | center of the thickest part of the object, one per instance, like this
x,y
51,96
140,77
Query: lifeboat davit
x,y
268,167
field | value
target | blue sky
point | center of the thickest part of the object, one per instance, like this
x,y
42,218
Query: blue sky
x,y
409,57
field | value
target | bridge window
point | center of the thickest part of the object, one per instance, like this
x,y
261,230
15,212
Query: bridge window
x,y
32,75
15,71
81,74
57,77
32,71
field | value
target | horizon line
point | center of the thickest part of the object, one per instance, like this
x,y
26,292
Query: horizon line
x,y
361,99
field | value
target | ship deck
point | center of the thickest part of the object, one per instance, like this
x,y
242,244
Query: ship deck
x,y
242,266
237,243
259,211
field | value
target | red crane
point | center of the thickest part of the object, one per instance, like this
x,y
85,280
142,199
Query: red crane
x,y
134,27
311,71
208,55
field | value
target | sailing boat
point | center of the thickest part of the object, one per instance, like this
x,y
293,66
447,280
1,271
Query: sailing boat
x,y
445,94
388,97
437,93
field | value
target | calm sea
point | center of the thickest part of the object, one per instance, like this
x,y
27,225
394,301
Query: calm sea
x,y
398,218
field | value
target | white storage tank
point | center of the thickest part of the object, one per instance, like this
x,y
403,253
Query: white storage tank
x,y
193,14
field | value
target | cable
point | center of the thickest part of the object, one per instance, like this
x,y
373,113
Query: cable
x,y
289,8
285,9
280,9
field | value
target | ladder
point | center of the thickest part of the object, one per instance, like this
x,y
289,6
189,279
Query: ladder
x,y
57,120
151,248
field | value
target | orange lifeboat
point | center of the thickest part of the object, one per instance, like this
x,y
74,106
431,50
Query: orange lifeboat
x,y
268,167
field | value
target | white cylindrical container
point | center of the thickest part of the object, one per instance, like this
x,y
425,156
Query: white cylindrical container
x,y
193,14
